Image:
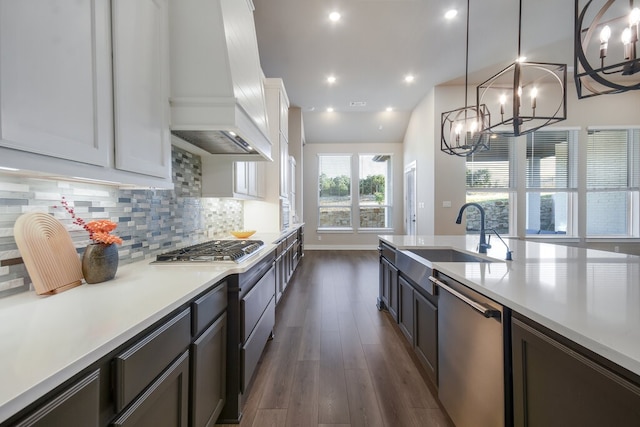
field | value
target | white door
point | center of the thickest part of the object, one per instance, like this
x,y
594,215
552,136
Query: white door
x,y
410,199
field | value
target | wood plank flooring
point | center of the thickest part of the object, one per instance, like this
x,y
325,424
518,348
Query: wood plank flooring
x,y
335,359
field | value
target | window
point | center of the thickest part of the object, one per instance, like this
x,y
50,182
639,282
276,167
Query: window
x,y
490,184
334,191
375,197
337,209
613,180
551,182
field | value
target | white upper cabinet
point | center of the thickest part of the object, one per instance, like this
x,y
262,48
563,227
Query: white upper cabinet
x,y
278,114
55,79
86,83
224,178
141,86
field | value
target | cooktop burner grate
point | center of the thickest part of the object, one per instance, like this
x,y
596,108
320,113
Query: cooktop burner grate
x,y
215,250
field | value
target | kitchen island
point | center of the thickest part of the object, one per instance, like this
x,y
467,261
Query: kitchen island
x,y
583,303
49,340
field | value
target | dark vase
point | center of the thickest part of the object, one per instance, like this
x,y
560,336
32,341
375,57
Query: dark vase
x,y
99,262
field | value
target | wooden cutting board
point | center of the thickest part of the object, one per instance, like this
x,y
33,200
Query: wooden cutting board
x,y
48,253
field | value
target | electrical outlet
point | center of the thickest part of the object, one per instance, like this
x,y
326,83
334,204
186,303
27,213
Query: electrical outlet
x,y
319,237
446,204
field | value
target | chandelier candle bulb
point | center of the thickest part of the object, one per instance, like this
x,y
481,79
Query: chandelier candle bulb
x,y
534,94
605,34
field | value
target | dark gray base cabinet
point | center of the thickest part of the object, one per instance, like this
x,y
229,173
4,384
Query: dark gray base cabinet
x,y
558,383
164,403
405,308
388,288
78,405
425,315
208,381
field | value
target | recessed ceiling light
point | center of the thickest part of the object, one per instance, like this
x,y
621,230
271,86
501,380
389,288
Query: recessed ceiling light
x,y
451,13
331,79
334,16
409,78
330,110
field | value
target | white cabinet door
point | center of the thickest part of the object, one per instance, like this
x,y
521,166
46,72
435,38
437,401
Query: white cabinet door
x,y
255,179
55,79
242,184
141,86
284,116
284,167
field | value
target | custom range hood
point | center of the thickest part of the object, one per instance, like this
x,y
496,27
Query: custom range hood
x,y
217,93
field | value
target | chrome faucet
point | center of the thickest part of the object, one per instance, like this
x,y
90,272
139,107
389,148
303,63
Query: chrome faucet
x,y
509,256
483,245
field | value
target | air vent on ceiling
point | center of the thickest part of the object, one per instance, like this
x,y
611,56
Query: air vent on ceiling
x,y
358,104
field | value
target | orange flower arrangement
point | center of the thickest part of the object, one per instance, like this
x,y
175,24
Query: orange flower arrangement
x,y
99,230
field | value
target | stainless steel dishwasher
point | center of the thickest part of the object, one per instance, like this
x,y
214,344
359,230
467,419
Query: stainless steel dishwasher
x,y
472,360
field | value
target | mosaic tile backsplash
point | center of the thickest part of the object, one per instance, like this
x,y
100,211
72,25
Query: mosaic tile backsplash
x,y
149,221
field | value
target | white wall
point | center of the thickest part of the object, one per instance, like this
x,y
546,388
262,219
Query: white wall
x,y
347,240
441,177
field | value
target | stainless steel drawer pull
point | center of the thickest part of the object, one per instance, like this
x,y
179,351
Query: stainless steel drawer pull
x,y
481,308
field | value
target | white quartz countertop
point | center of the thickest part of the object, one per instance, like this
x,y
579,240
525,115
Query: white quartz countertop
x,y
45,340
591,297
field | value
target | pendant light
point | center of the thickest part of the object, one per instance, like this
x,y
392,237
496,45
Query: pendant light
x,y
605,47
461,128
527,95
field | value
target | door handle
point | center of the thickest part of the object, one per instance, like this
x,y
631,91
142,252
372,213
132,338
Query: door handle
x,y
486,311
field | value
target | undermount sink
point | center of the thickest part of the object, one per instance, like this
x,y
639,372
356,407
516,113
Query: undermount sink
x,y
447,255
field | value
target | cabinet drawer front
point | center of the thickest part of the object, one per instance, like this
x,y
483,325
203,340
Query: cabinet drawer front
x,y
254,303
138,366
78,405
208,307
252,350
166,401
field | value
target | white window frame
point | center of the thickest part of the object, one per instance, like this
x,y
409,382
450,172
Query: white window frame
x,y
388,196
632,191
336,229
571,190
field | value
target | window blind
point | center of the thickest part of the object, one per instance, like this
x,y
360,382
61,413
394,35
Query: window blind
x,y
491,169
613,159
551,162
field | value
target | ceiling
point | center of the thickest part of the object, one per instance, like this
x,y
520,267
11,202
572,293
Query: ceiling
x,y
377,42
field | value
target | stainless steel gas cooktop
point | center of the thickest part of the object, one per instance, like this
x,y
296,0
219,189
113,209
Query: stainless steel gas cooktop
x,y
214,250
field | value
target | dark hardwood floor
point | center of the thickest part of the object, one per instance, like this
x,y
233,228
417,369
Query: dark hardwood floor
x,y
335,359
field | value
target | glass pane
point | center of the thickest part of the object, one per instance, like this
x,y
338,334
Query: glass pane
x,y
607,213
374,217
491,169
607,159
547,213
548,159
373,189
334,217
373,179
496,207
335,180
